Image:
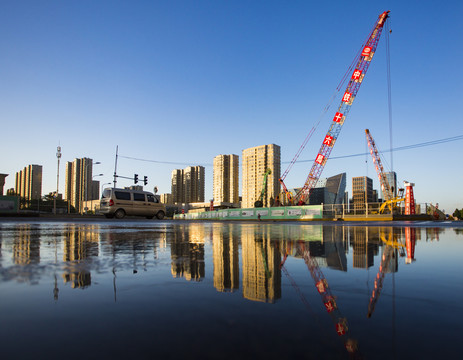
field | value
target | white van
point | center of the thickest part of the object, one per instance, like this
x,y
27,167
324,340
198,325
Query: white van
x,y
121,202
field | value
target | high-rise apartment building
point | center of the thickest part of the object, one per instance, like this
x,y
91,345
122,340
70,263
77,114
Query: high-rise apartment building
x,y
226,176
177,186
188,184
79,186
29,182
194,184
256,161
362,192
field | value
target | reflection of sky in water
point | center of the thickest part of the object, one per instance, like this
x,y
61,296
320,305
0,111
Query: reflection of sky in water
x,y
213,287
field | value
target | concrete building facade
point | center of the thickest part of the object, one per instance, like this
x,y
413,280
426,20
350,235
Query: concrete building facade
x,y
188,185
79,184
177,186
2,182
166,199
362,192
226,179
256,161
194,184
28,182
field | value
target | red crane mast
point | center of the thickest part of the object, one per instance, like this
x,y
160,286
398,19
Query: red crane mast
x,y
352,89
385,187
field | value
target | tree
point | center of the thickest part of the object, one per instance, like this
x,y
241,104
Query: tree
x,y
49,197
458,214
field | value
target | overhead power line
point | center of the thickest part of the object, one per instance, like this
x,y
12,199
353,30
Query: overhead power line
x,y
162,162
400,148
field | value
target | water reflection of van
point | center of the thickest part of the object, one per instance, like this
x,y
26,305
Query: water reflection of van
x,y
121,202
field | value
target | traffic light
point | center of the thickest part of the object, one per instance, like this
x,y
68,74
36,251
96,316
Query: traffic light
x,y
135,178
145,180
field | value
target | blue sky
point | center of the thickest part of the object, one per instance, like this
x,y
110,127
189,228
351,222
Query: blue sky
x,y
183,81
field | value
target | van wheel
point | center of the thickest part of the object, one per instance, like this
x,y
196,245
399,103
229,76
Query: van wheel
x,y
119,214
160,215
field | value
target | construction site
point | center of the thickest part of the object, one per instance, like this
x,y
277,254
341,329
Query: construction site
x,y
397,203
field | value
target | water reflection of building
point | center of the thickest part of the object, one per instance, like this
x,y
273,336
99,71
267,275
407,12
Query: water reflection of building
x,y
225,257
79,245
364,242
187,252
26,250
335,245
328,244
261,265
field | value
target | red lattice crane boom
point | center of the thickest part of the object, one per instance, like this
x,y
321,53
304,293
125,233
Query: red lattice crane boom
x,y
352,89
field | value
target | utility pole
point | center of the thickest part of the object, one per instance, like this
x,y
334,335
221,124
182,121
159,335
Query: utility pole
x,y
115,167
58,156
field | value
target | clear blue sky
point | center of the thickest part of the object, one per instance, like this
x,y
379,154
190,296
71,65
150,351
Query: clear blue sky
x,y
184,81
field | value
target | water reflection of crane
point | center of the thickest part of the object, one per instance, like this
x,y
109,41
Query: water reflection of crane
x,y
329,301
392,245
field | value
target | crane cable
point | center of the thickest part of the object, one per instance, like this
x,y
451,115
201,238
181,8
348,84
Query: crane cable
x,y
389,93
325,110
400,148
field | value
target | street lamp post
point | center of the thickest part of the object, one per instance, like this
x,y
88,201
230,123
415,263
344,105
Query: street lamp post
x,y
58,156
87,183
91,200
102,187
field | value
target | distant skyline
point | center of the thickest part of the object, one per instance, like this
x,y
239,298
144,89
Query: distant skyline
x,y
181,82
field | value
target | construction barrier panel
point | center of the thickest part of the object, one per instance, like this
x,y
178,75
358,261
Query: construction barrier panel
x,y
9,204
313,212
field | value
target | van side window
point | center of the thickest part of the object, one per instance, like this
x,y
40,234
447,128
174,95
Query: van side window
x,y
138,197
122,195
152,198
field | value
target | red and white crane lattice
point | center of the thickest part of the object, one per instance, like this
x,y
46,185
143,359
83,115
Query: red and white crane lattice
x,y
350,93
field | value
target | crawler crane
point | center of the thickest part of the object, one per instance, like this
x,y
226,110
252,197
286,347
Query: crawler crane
x,y
390,201
362,63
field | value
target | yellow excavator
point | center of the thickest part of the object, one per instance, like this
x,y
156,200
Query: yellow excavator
x,y
392,203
